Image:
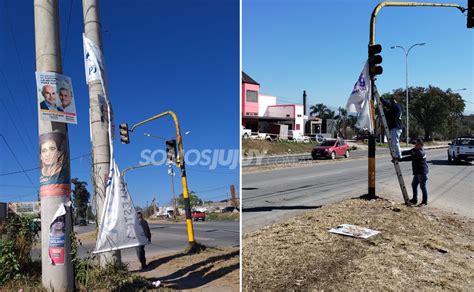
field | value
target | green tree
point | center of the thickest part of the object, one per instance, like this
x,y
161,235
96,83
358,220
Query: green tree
x,y
342,118
433,112
194,200
81,198
322,111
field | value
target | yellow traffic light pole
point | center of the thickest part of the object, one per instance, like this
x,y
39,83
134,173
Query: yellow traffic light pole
x,y
180,161
371,150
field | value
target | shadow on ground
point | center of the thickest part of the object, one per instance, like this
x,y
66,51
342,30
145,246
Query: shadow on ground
x,y
446,162
197,274
271,208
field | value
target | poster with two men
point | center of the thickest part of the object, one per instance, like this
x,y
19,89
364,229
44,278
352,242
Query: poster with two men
x,y
55,98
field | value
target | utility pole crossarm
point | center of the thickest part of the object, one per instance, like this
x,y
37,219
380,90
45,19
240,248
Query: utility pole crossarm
x,y
404,4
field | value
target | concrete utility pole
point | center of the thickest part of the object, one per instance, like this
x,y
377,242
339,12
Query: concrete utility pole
x,y
48,59
99,128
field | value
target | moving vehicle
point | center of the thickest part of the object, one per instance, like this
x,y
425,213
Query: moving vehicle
x,y
198,215
461,148
330,149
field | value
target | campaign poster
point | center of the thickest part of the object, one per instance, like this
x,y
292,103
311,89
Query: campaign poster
x,y
57,237
54,165
55,98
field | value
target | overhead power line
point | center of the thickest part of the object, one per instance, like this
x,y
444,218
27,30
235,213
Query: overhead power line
x,y
36,168
17,161
19,60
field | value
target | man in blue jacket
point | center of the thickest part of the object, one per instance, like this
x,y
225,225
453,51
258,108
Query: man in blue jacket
x,y
417,156
393,114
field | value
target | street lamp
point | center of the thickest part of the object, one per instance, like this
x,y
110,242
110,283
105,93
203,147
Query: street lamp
x,y
406,76
457,90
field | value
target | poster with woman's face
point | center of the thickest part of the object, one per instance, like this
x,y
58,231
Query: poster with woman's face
x,y
54,164
57,237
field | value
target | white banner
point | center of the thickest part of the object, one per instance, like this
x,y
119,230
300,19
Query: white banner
x,y
120,227
359,100
95,71
94,62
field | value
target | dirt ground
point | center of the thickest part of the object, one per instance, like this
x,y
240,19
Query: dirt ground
x,y
211,270
274,148
417,249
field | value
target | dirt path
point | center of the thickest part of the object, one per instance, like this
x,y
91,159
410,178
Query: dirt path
x,y
417,249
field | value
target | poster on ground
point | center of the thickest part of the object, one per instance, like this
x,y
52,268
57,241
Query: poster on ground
x,y
55,98
354,231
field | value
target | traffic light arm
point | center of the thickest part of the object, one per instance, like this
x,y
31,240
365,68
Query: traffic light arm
x,y
184,182
403,4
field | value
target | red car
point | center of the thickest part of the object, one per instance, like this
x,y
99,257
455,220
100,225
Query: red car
x,y
198,215
331,149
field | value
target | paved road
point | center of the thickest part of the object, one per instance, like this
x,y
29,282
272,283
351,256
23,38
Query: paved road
x,y
272,196
173,237
296,158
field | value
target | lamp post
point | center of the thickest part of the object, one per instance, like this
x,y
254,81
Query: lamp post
x,y
406,78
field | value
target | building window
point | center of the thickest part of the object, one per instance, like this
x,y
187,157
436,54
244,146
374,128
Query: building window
x,y
299,116
297,127
252,96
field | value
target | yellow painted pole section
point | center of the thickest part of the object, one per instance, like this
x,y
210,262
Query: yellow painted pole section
x,y
403,4
180,160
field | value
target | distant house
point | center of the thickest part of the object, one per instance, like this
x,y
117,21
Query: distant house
x,y
261,112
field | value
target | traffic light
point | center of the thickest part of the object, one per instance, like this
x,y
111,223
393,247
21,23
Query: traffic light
x,y
375,60
124,134
171,150
470,13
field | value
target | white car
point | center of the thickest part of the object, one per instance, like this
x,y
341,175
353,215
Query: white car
x,y
246,133
461,148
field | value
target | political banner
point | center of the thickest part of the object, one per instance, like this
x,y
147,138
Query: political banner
x,y
57,237
54,165
119,226
359,100
95,71
55,98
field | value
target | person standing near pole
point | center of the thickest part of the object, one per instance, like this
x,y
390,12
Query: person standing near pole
x,y
141,248
393,113
417,156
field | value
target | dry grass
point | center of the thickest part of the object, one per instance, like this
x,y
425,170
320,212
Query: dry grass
x,y
417,249
274,148
211,270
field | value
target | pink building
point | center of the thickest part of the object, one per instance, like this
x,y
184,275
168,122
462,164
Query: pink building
x,y
261,113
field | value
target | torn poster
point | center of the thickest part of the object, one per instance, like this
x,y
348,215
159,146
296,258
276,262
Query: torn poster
x,y
57,236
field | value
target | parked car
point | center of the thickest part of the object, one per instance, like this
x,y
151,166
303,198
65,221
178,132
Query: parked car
x,y
461,148
246,133
228,209
330,149
198,215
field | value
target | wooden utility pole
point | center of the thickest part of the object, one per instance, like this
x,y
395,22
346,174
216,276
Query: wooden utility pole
x,y
58,275
99,124
233,197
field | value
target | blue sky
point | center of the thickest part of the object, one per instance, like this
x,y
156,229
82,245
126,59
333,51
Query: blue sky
x,y
321,46
160,55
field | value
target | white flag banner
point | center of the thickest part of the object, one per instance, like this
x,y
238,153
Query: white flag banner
x,y
95,71
119,227
94,62
359,100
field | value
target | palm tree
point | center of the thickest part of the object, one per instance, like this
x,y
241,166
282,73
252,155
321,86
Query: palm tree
x,y
318,110
342,120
